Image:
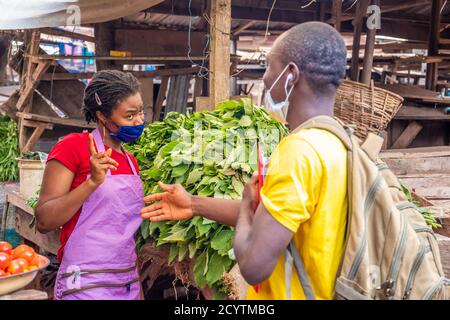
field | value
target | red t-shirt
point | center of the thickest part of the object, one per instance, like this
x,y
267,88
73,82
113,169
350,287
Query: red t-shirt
x,y
73,152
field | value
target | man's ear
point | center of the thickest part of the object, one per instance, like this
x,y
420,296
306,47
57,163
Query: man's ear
x,y
293,69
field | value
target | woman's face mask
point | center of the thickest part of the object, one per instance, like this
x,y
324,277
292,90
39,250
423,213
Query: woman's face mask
x,y
280,108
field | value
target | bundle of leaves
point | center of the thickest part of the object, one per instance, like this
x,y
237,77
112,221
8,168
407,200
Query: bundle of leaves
x,y
210,154
9,150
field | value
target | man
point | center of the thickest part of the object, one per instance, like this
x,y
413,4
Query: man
x,y
304,196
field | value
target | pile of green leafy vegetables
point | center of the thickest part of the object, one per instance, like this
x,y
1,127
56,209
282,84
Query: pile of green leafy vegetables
x,y
210,154
426,212
9,150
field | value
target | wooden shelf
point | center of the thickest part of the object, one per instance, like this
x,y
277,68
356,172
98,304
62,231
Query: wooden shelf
x,y
422,113
55,120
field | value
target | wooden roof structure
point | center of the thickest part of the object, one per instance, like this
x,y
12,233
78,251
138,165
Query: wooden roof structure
x,y
191,39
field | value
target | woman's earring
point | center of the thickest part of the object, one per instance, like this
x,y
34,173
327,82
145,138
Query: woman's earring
x,y
104,132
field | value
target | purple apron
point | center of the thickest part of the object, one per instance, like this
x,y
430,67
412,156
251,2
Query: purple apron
x,y
99,259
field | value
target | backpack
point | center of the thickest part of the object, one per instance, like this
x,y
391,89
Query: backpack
x,y
389,252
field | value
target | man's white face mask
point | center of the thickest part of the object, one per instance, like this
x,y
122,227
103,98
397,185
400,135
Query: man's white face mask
x,y
281,108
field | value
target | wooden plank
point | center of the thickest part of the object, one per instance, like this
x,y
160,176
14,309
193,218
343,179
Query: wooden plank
x,y
361,12
56,120
243,27
219,64
66,33
14,198
49,242
36,58
426,152
26,95
163,42
178,93
37,133
368,51
35,124
408,135
30,294
422,113
138,74
433,44
147,97
202,104
430,186
444,249
337,14
160,99
394,7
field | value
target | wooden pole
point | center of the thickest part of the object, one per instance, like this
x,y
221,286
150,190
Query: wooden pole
x,y
104,43
368,51
4,50
361,11
433,44
219,64
337,14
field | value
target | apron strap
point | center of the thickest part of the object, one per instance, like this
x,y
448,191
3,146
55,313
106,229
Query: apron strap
x,y
101,148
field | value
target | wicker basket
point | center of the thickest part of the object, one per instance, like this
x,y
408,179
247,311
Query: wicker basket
x,y
365,108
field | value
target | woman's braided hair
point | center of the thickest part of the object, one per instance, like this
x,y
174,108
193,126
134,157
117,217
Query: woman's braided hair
x,y
105,91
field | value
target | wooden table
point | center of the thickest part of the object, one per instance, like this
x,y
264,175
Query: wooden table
x,y
24,216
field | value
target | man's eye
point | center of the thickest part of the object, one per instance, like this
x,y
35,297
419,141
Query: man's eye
x,y
130,117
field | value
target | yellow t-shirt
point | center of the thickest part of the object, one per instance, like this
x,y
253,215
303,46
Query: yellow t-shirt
x,y
305,190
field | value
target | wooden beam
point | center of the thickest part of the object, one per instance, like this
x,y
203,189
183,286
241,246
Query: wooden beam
x,y
394,7
66,33
31,84
433,44
368,51
322,11
55,120
408,135
37,133
104,43
160,99
337,14
35,124
361,11
243,27
138,74
36,58
219,63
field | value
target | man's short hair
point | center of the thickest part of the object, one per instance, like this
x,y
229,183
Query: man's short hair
x,y
318,50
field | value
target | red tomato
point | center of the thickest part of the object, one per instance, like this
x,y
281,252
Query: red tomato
x,y
22,262
5,247
20,250
28,255
5,259
15,267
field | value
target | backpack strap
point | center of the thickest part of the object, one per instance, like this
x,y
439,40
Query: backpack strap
x,y
331,125
292,255
372,145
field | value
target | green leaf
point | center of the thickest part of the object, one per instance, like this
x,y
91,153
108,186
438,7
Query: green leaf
x,y
222,242
172,254
217,266
199,267
182,251
194,176
237,185
145,230
245,121
177,236
180,170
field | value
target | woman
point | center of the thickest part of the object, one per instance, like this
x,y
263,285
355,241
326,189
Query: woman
x,y
91,188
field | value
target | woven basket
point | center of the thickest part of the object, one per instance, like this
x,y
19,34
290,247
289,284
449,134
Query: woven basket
x,y
365,108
